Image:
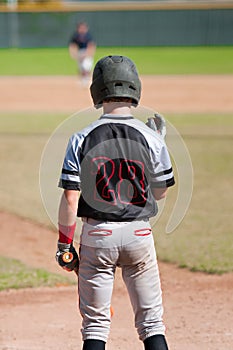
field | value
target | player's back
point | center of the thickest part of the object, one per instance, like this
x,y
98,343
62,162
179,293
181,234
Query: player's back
x,y
117,170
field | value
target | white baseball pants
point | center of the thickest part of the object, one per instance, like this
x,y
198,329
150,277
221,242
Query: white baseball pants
x,y
129,245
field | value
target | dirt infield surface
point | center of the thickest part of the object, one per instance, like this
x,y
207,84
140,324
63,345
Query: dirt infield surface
x,y
198,307
168,94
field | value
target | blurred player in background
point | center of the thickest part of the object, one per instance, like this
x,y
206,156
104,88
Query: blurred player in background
x,y
82,49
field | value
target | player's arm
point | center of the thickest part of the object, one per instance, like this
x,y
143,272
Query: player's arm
x,y
66,255
73,50
68,208
159,193
91,47
164,177
70,182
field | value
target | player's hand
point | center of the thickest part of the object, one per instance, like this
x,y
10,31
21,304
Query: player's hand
x,y
158,124
67,257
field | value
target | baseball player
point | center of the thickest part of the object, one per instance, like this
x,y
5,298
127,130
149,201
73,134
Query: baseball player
x,y
82,48
114,172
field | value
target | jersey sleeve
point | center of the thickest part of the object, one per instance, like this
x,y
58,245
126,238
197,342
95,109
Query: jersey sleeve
x,y
89,38
162,175
73,39
70,174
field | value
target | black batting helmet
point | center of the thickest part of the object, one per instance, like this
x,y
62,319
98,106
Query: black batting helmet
x,y
115,76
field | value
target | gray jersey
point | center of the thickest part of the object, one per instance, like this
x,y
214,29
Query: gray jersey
x,y
116,162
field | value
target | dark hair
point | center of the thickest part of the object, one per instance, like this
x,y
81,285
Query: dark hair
x,y
118,99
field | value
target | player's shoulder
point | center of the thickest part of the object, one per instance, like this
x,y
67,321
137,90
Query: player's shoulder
x,y
138,123
74,37
148,133
86,130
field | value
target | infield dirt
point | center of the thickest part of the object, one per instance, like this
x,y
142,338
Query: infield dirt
x,y
198,307
167,94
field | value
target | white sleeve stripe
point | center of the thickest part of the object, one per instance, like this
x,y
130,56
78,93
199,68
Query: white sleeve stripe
x,y
70,172
163,172
73,178
165,183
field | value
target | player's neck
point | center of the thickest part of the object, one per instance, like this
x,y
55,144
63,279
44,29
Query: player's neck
x,y
117,108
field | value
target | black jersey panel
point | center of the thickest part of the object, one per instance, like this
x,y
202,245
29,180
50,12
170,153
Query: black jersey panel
x,y
115,174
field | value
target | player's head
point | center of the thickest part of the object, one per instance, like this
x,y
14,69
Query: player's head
x,y
115,78
82,27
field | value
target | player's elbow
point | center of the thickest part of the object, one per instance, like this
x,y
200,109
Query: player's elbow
x,y
71,197
159,193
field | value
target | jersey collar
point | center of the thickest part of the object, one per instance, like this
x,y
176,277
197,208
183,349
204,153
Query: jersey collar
x,y
116,116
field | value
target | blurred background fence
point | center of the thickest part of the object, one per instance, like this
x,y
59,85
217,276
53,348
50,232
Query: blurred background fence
x,y
117,23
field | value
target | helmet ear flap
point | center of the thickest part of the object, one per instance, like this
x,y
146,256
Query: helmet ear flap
x,y
115,77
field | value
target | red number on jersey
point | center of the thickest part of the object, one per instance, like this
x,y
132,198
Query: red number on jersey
x,y
126,183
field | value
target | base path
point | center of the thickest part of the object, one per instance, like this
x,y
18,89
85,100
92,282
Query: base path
x,y
198,307
166,94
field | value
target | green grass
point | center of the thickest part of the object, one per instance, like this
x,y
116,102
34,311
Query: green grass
x,y
203,241
14,275
29,123
149,60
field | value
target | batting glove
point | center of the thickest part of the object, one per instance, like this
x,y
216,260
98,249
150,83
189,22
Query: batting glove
x,y
158,124
67,257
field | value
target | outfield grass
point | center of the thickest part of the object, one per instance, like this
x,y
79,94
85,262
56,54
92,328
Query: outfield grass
x,y
14,275
203,241
149,60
